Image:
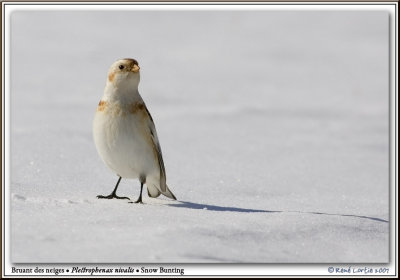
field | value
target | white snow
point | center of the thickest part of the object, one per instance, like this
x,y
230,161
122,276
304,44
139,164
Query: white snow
x,y
273,125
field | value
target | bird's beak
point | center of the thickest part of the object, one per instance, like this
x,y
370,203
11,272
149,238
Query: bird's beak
x,y
135,68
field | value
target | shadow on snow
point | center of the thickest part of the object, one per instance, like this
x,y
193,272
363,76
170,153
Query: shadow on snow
x,y
207,207
191,205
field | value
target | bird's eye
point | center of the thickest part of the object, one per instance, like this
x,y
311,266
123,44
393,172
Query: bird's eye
x,y
121,67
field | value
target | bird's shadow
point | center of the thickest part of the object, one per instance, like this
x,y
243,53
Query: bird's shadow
x,y
207,207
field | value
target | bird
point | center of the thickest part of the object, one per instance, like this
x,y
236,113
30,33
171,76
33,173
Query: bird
x,y
125,135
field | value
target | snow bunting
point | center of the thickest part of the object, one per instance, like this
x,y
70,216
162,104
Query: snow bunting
x,y
125,135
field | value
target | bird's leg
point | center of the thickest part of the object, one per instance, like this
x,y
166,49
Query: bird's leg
x,y
139,200
114,193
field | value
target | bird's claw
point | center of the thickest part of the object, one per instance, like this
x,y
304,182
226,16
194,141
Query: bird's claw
x,y
137,202
111,196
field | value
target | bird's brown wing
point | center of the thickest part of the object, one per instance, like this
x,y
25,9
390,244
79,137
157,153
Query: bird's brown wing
x,y
157,147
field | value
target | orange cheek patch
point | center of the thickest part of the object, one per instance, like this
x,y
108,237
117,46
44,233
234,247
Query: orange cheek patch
x,y
111,76
101,106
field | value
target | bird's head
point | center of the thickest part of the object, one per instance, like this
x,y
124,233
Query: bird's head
x,y
124,73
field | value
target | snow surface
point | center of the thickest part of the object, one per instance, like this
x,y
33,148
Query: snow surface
x,y
273,125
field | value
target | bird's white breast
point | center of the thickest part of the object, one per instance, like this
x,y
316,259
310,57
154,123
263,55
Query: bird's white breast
x,y
123,139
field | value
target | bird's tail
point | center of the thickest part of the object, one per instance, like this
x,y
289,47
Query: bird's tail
x,y
169,194
153,191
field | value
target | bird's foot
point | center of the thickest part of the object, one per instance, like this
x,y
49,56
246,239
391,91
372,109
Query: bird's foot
x,y
137,201
111,196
